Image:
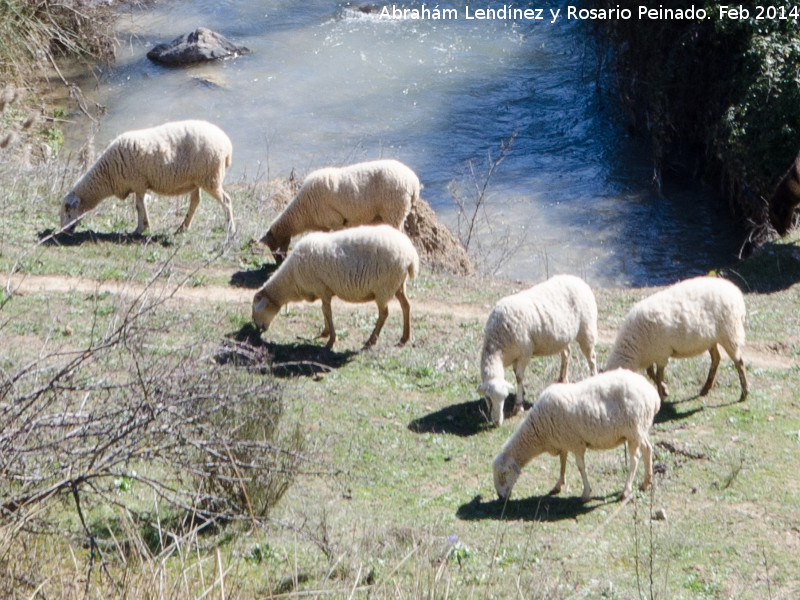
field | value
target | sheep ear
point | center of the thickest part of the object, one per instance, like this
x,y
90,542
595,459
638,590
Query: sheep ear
x,y
515,467
482,388
260,304
72,202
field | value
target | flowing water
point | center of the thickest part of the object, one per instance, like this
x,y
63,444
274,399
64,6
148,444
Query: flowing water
x,y
325,84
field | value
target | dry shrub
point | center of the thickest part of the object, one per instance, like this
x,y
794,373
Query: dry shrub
x,y
132,447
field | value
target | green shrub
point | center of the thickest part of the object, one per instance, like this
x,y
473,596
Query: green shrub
x,y
719,98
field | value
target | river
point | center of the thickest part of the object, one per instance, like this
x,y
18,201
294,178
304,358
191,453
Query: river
x,y
326,84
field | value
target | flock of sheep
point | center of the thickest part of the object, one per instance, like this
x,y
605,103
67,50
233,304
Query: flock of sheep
x,y
358,252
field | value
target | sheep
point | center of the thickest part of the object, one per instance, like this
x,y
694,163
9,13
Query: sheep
x,y
172,159
335,198
682,321
539,321
600,412
371,262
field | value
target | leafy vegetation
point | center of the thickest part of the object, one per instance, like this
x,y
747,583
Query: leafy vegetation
x,y
719,98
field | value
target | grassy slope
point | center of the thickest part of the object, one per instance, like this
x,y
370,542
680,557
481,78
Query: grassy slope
x,y
406,504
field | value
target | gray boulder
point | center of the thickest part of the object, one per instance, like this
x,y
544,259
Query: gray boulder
x,y
199,46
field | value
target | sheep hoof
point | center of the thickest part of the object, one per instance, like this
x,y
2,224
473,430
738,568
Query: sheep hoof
x,y
181,229
586,498
517,410
555,491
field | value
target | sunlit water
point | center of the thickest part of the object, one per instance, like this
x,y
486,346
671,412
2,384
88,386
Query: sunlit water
x,y
328,85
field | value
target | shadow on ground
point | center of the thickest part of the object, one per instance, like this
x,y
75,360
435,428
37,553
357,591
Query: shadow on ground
x,y
465,419
669,411
246,349
772,267
253,278
49,237
535,508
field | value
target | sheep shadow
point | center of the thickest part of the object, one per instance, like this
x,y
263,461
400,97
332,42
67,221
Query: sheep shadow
x,y
52,237
464,419
772,267
548,509
253,278
245,348
669,411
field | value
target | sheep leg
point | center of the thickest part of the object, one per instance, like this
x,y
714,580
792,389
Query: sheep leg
x,y
562,377
225,201
143,219
633,463
738,361
647,455
327,314
587,490
519,373
406,306
712,371
383,312
562,479
742,377
657,375
194,201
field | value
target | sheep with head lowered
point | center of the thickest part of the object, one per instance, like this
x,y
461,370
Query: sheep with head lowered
x,y
332,198
682,321
362,264
539,321
171,159
600,412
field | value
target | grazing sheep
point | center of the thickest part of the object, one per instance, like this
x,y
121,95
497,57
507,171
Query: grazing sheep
x,y
171,159
338,197
367,263
682,321
601,412
539,321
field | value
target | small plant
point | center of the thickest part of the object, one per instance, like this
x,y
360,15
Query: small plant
x,y
475,215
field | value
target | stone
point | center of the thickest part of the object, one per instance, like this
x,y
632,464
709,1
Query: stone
x,y
201,45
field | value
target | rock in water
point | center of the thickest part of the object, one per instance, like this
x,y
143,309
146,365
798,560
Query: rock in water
x,y
199,46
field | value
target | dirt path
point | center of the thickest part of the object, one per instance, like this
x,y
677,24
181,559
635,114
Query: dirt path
x,y
757,354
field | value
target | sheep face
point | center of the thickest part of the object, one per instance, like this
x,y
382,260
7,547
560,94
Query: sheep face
x,y
506,471
70,212
264,311
279,248
495,391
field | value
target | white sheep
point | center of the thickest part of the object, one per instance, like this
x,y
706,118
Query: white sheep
x,y
600,412
362,264
380,191
171,159
682,321
539,321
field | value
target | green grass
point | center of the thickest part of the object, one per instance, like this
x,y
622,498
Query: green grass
x,y
400,502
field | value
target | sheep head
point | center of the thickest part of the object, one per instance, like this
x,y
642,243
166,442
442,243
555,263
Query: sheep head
x,y
264,310
71,210
506,471
495,391
278,247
